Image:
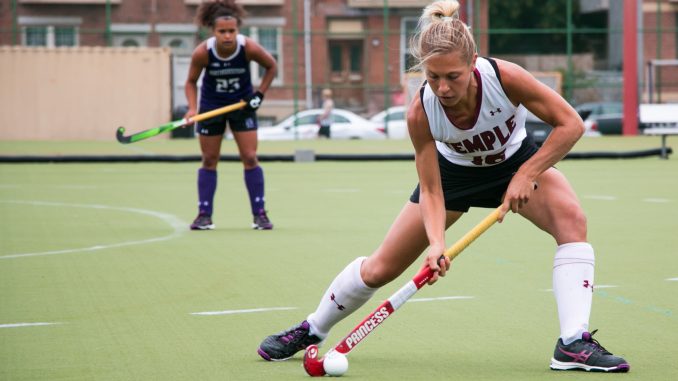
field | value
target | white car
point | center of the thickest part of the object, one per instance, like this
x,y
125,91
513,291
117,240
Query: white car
x,y
397,123
345,125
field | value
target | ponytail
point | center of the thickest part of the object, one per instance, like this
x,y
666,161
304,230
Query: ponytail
x,y
441,31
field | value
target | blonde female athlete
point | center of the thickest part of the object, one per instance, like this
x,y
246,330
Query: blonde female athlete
x,y
467,128
225,59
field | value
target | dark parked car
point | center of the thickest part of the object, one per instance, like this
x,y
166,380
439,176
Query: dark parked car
x,y
604,117
537,128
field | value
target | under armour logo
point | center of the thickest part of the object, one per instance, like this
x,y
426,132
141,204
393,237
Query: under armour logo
x,y
497,111
339,306
587,284
255,102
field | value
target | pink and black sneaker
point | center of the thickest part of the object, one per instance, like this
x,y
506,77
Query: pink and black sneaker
x,y
261,221
202,222
285,344
586,354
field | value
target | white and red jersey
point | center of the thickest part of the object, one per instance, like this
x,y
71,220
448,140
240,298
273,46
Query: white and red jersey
x,y
499,127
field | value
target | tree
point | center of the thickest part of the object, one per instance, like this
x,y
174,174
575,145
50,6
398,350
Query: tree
x,y
547,25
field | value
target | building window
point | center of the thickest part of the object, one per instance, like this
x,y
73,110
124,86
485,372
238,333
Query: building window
x,y
181,45
270,38
335,58
50,36
408,27
176,44
35,36
49,31
130,35
129,40
180,38
129,43
356,64
65,36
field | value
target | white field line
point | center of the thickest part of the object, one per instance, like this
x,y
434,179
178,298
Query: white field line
x,y
440,298
673,279
657,200
18,325
249,311
595,286
178,226
601,197
255,310
75,186
342,190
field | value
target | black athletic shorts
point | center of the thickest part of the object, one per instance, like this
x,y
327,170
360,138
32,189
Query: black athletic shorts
x,y
238,121
464,187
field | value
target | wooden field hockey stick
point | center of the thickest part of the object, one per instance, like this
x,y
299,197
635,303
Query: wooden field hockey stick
x,y
175,124
314,365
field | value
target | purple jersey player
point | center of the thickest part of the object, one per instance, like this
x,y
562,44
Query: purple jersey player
x,y
224,60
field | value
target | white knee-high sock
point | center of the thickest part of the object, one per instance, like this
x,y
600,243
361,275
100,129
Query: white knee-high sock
x,y
346,293
573,288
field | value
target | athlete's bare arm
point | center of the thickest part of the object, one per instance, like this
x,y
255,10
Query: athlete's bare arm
x,y
258,54
431,201
549,106
199,60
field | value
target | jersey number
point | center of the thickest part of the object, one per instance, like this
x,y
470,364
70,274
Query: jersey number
x,y
490,159
229,85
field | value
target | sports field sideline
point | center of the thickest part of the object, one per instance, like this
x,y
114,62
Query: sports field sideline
x,y
100,278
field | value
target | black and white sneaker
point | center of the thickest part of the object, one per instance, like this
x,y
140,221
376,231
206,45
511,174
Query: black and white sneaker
x,y
202,222
586,354
285,344
261,221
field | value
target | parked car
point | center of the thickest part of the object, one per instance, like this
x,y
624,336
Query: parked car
x,y
396,128
604,117
345,125
540,130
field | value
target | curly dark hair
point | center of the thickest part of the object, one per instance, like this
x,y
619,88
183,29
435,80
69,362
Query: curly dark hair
x,y
208,12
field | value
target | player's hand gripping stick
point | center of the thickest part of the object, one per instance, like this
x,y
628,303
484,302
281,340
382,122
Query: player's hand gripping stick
x,y
314,365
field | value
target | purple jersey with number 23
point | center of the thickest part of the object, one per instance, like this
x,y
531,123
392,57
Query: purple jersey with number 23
x,y
226,80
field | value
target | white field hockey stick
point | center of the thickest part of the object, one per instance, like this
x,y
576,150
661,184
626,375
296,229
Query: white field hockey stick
x,y
314,365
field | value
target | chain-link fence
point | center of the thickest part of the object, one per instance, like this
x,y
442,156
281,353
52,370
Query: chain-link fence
x,y
359,48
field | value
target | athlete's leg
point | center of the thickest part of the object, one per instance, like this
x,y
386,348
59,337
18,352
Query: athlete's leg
x,y
355,285
555,209
207,174
247,148
254,177
403,244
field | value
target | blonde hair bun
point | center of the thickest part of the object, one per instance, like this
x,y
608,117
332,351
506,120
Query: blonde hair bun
x,y
443,10
440,31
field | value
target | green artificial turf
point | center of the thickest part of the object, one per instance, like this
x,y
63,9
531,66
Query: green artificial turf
x,y
161,145
103,251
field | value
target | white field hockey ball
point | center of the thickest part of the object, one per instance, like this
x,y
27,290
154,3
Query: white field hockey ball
x,y
335,364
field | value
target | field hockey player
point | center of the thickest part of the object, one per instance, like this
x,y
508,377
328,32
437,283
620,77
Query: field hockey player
x,y
467,127
225,59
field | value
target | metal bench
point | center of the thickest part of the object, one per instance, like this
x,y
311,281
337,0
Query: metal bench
x,y
663,121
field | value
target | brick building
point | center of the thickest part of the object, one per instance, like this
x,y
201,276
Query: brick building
x,y
341,44
346,41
